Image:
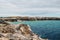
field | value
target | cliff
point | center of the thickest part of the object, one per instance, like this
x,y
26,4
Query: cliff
x,y
17,32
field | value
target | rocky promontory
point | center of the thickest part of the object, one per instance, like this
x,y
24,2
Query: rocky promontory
x,y
17,32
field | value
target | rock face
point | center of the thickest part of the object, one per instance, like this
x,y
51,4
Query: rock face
x,y
20,32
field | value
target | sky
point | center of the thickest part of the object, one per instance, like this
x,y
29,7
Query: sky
x,y
43,8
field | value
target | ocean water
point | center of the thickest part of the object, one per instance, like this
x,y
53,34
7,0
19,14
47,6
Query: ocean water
x,y
46,29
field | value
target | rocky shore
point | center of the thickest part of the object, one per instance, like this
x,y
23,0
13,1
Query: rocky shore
x,y
18,18
17,32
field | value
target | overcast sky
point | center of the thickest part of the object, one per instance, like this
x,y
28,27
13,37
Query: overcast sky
x,y
49,8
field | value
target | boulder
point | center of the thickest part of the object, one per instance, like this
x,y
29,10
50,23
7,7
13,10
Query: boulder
x,y
25,29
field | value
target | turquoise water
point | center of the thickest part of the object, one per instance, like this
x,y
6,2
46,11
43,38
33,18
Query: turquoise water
x,y
46,29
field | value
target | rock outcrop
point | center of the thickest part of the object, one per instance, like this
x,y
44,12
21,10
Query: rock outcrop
x,y
20,32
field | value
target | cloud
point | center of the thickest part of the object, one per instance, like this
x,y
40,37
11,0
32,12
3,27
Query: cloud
x,y
30,7
36,3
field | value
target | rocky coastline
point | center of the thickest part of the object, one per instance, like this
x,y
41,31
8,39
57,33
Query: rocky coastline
x,y
18,18
17,32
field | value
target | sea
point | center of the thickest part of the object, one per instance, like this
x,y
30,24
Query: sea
x,y
49,29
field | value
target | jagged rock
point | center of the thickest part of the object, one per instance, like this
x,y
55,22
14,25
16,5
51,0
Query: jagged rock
x,y
7,29
25,29
20,32
3,38
1,35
